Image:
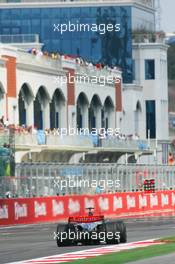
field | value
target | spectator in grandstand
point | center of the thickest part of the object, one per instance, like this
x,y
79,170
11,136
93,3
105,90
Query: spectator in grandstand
x,y
34,130
98,190
171,159
6,123
6,145
2,121
135,136
8,194
39,54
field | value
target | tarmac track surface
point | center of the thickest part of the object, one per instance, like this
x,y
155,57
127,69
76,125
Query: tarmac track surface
x,y
33,241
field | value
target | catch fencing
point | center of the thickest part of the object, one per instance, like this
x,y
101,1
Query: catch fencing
x,y
48,179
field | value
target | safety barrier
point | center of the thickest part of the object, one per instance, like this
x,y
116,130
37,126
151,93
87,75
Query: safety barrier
x,y
48,179
40,138
4,139
57,208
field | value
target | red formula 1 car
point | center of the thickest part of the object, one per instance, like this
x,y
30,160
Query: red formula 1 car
x,y
90,230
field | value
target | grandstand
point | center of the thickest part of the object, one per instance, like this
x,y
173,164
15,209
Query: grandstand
x,y
7,153
34,60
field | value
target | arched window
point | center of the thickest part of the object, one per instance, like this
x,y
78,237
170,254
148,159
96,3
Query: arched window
x,y
82,111
57,109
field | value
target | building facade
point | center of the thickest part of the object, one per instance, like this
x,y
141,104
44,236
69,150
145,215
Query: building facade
x,y
111,48
29,96
34,92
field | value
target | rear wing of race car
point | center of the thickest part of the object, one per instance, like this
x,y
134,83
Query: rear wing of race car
x,y
86,219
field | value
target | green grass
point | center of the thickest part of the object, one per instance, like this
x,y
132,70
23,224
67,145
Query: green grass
x,y
133,254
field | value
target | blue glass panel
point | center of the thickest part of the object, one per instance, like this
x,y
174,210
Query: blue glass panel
x,y
45,29
16,22
57,120
35,13
6,22
5,14
86,52
75,34
151,119
85,12
149,69
55,44
66,46
16,31
5,31
55,12
47,45
15,13
26,13
26,26
94,11
112,48
46,13
65,13
75,47
75,12
35,25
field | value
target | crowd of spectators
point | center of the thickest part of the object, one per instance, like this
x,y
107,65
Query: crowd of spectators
x,y
4,124
32,130
45,54
77,59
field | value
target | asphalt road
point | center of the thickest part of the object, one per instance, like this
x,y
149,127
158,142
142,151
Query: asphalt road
x,y
34,241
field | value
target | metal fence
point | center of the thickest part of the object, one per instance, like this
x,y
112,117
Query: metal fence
x,y
19,38
4,137
7,152
41,179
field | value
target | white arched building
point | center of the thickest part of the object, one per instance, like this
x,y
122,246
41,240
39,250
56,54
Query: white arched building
x,y
40,91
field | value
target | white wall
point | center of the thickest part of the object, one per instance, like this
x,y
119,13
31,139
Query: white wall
x,y
132,94
37,75
3,87
154,89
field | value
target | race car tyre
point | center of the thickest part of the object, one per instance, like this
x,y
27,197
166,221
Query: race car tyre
x,y
85,238
122,230
100,230
112,233
62,237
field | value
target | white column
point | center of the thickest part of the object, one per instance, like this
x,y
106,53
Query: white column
x,y
85,116
69,122
2,106
62,115
98,117
111,118
30,114
46,115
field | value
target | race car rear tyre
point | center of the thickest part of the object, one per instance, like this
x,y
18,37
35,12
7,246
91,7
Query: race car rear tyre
x,y
123,233
111,233
64,229
100,230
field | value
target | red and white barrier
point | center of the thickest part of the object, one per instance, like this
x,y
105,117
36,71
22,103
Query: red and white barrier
x,y
50,209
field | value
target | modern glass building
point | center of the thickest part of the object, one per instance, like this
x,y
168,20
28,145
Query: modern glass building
x,y
112,48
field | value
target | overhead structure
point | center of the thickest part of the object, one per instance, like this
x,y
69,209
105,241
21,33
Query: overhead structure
x,y
158,15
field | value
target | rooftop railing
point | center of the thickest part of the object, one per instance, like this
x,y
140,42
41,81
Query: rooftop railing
x,y
146,38
19,38
30,140
149,3
103,72
44,61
